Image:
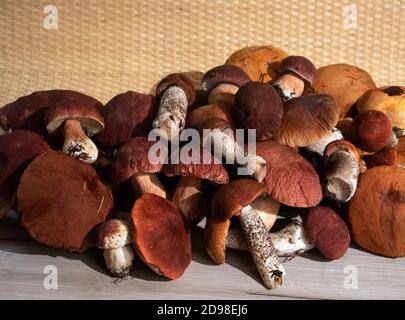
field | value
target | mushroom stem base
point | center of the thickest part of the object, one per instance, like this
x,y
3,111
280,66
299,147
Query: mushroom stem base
x,y
147,183
119,261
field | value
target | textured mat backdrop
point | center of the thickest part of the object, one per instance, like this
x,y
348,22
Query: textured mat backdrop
x,y
104,47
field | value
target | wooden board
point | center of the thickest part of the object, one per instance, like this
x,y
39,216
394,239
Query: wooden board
x,y
83,276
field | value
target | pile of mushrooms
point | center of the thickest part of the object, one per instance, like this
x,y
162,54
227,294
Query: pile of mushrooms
x,y
328,166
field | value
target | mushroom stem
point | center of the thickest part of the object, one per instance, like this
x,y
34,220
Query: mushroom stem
x,y
319,146
267,208
119,261
225,145
188,198
147,183
223,94
261,248
342,171
77,144
290,241
289,86
213,239
172,112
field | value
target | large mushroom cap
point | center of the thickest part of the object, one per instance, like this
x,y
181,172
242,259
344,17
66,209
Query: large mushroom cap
x,y
258,106
232,197
345,82
128,115
61,200
179,80
300,66
226,73
132,157
261,63
290,179
390,100
28,112
307,119
327,231
385,157
160,236
211,111
377,211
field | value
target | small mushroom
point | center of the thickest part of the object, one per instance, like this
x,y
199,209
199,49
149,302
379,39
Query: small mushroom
x,y
177,93
237,199
160,236
79,122
17,149
258,106
342,169
377,211
385,157
307,119
114,236
188,193
132,162
294,73
61,200
261,63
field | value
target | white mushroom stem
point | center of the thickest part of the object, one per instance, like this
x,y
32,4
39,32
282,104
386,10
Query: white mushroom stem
x,y
342,172
319,146
261,248
77,144
147,183
188,198
225,146
290,241
267,208
119,261
223,94
172,112
289,86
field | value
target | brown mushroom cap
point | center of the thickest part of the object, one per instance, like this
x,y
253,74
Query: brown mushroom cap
x,y
371,130
344,82
307,119
28,112
300,66
385,157
390,100
211,111
232,197
160,236
61,200
261,63
327,231
226,73
377,211
290,179
132,157
258,106
128,115
341,145
90,118
17,149
179,80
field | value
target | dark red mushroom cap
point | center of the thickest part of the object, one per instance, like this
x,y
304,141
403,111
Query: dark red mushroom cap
x,y
61,200
327,231
227,74
160,236
258,106
300,66
132,157
128,115
179,80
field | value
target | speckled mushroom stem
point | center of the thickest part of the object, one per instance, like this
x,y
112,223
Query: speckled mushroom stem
x,y
77,144
289,242
147,183
342,172
261,248
223,94
289,86
188,198
172,112
319,146
225,145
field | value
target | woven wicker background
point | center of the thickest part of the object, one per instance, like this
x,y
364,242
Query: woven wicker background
x,y
103,47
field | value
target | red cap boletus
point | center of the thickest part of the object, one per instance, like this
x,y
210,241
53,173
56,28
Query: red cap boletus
x,y
258,106
307,119
127,115
377,211
61,200
327,231
160,236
